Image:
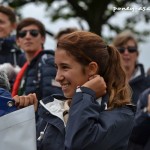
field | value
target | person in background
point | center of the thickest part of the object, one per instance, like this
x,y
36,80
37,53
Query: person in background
x,y
65,31
140,137
10,71
148,72
4,85
38,73
9,52
5,95
96,112
127,45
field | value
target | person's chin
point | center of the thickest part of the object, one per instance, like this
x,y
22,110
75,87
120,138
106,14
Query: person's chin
x,y
67,95
127,66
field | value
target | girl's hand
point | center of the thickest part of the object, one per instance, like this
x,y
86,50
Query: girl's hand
x,y
97,84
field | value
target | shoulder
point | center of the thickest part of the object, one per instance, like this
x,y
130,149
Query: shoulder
x,y
47,57
126,110
146,92
47,52
4,92
144,96
44,58
119,116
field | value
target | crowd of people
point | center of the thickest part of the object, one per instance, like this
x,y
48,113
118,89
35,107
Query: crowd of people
x,y
86,94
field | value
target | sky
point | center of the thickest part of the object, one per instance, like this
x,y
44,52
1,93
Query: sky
x,y
38,12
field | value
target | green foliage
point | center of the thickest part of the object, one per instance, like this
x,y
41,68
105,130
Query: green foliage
x,y
97,13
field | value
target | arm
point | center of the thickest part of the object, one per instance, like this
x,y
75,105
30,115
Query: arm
x,y
83,126
141,130
90,127
84,114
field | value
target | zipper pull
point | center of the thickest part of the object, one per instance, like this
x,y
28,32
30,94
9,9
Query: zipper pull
x,y
41,136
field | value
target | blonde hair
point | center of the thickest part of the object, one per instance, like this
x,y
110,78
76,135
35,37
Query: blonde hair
x,y
123,37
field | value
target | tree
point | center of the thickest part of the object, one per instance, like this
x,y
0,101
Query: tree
x,y
97,13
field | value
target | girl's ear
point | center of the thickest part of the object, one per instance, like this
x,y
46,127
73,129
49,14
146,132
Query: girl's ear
x,y
93,68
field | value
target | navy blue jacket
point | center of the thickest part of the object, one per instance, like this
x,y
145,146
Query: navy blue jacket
x,y
53,127
5,97
40,76
139,84
5,93
10,53
140,137
89,126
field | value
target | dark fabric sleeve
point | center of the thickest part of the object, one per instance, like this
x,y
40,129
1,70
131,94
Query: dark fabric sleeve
x,y
141,130
89,128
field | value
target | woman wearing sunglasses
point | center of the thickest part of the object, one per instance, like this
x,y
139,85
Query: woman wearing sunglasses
x,y
127,45
35,76
96,112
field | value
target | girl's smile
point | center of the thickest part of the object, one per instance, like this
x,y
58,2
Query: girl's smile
x,y
70,73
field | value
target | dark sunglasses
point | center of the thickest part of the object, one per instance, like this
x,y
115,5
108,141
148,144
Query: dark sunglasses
x,y
23,33
129,48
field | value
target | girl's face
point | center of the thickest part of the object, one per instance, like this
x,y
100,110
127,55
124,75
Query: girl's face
x,y
70,73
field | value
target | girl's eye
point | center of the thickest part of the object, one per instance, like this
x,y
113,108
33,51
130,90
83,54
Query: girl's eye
x,y
64,67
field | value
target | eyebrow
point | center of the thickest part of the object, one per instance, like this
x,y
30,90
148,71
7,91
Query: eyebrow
x,y
66,64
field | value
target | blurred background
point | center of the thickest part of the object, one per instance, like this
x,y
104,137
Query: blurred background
x,y
92,15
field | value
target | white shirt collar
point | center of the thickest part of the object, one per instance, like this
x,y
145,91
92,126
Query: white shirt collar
x,y
55,107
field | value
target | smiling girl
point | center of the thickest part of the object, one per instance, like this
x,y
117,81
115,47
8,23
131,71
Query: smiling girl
x,y
96,112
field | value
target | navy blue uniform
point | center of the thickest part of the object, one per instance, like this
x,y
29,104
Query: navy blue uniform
x,y
89,127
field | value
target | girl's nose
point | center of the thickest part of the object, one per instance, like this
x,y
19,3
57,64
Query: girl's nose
x,y
59,77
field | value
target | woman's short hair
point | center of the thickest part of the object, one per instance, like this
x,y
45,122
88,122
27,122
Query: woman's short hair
x,y
123,37
31,21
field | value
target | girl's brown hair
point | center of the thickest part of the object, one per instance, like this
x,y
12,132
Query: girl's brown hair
x,y
87,47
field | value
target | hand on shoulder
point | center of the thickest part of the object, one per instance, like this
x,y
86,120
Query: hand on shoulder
x,y
97,84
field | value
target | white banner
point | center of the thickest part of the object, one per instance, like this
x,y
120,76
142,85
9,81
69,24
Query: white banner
x,y
18,130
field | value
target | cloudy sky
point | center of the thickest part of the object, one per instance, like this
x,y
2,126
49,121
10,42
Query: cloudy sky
x,y
38,12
